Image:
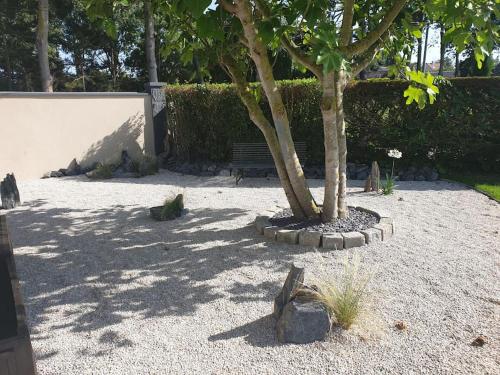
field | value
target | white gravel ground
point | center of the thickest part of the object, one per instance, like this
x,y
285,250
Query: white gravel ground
x,y
109,291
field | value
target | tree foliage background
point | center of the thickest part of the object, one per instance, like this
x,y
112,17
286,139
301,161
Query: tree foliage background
x,y
85,56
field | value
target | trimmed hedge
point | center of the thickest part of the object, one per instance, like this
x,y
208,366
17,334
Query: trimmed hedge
x,y
461,129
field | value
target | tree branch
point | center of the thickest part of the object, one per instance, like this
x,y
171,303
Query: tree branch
x,y
366,58
297,54
346,28
227,5
371,38
243,88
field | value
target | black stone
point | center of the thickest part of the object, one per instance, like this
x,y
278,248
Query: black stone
x,y
294,281
303,322
356,220
9,192
126,164
73,169
56,174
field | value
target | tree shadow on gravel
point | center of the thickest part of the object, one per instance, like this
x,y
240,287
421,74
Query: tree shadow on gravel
x,y
259,333
104,266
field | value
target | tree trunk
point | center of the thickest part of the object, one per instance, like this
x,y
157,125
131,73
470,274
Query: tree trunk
x,y
260,120
425,47
442,50
150,41
258,53
457,64
42,42
340,84
329,114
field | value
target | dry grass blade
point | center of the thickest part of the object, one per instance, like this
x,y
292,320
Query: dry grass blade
x,y
345,298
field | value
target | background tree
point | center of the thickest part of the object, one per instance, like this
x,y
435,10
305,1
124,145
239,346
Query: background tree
x,y
42,44
333,47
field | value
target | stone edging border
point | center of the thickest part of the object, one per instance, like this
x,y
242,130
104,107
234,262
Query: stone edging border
x,y
330,241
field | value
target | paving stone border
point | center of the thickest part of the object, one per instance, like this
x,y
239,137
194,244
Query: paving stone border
x,y
381,231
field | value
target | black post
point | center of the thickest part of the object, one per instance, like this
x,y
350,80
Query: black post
x,y
158,105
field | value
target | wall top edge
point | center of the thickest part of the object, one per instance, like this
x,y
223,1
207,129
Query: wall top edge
x,y
22,94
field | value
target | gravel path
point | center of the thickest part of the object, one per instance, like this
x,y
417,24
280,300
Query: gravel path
x,y
109,291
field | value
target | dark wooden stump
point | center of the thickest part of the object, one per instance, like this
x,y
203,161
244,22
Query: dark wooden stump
x,y
9,192
373,181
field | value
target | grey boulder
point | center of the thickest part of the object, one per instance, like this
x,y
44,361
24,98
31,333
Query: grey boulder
x,y
294,281
303,322
9,192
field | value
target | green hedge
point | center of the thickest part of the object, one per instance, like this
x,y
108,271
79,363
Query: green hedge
x,y
462,127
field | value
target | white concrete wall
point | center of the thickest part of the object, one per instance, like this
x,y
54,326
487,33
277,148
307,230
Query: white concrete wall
x,y
40,132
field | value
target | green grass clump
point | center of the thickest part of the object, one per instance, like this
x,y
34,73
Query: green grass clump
x,y
172,208
345,298
487,183
388,186
103,172
145,167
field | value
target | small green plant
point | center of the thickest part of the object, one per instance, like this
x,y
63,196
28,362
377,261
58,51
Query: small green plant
x,y
172,207
345,298
388,186
145,167
103,172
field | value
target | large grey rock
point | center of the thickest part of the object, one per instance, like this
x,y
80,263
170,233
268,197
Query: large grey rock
x,y
126,162
73,168
9,192
287,236
303,322
294,281
353,239
310,238
333,241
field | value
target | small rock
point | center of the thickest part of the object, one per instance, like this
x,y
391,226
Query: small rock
x,y
293,282
206,174
303,322
400,199
73,168
126,164
56,174
407,177
479,341
434,176
400,325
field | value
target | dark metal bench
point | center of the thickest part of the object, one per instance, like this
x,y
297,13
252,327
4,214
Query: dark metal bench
x,y
258,156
